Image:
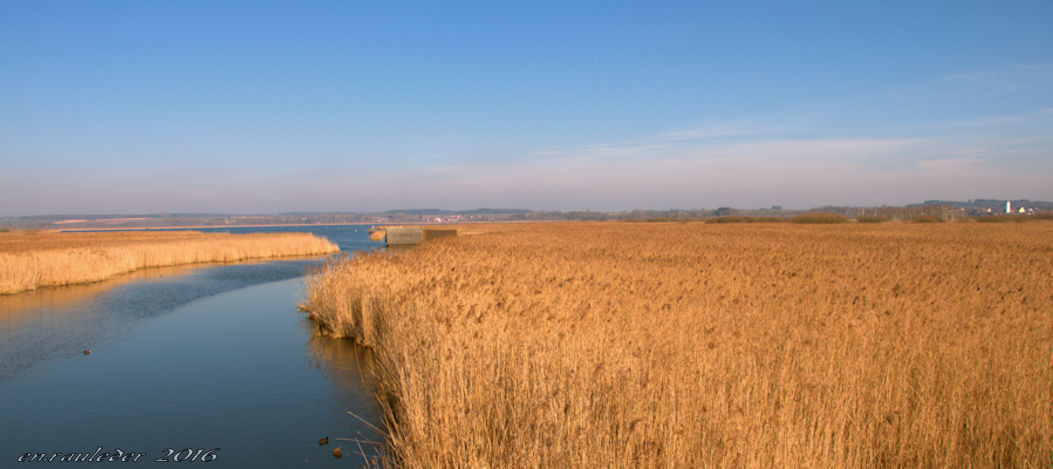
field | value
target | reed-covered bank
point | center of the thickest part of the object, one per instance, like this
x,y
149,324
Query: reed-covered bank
x,y
694,345
30,260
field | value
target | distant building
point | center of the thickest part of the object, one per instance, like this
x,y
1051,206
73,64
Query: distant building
x,y
1008,207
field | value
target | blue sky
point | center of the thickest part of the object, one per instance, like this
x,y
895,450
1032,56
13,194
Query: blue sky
x,y
263,107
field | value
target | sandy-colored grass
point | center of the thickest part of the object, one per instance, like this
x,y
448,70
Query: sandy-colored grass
x,y
700,345
30,260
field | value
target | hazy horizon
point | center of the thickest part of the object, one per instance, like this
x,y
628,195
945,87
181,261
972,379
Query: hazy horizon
x,y
101,216
221,107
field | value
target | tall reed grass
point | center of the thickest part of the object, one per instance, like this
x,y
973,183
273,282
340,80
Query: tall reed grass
x,y
697,345
926,219
872,219
29,260
819,217
1014,218
746,219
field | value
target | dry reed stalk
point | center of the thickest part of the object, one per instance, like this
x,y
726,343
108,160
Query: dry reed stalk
x,y
32,260
652,345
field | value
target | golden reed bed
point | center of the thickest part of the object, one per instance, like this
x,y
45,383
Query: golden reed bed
x,y
691,345
30,260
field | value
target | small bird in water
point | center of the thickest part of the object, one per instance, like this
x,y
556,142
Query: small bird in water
x,y
87,351
323,441
338,453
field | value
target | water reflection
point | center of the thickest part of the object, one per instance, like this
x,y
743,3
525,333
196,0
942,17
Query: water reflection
x,y
239,371
187,357
56,322
348,366
341,361
26,306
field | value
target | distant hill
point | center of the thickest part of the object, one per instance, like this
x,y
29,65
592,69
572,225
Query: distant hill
x,y
992,204
442,213
943,208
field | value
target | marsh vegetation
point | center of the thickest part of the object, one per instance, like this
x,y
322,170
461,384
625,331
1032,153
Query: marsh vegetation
x,y
29,260
699,345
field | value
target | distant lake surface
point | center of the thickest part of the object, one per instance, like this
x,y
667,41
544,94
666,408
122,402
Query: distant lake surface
x,y
200,357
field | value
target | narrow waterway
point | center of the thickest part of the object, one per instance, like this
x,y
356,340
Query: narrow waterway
x,y
187,358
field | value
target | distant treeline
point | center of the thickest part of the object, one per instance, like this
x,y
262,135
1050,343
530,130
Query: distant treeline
x,y
928,211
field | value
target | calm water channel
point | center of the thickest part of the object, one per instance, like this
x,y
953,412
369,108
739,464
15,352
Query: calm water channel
x,y
183,358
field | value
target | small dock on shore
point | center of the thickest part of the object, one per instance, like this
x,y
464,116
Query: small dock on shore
x,y
407,235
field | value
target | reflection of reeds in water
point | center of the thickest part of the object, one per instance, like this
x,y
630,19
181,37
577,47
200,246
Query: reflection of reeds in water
x,y
32,260
27,305
692,345
350,368
342,361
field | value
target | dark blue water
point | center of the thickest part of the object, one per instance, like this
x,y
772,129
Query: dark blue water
x,y
184,358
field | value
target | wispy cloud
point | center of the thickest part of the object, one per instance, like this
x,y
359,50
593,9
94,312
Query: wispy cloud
x,y
755,162
949,163
931,140
993,121
671,140
1001,74
1031,79
935,139
744,175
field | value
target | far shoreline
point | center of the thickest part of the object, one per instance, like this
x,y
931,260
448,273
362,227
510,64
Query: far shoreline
x,y
274,225
196,227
